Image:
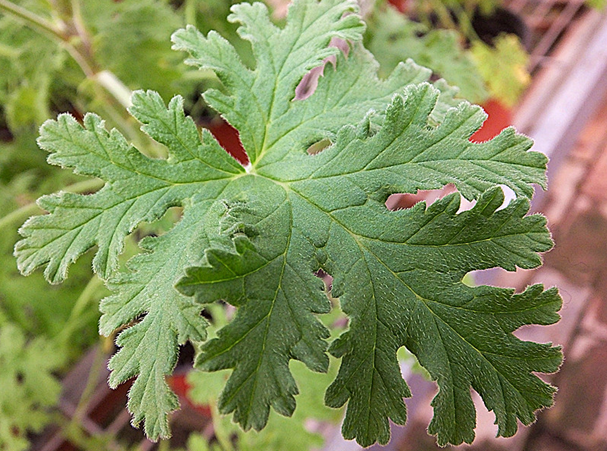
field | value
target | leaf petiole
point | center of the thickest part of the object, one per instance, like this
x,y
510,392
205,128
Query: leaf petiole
x,y
33,20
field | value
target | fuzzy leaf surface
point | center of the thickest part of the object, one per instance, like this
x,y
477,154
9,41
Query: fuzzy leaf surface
x,y
255,238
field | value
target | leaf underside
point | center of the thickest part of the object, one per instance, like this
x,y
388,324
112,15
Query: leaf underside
x,y
255,237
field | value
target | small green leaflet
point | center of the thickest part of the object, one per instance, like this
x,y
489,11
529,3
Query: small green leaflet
x,y
29,387
254,237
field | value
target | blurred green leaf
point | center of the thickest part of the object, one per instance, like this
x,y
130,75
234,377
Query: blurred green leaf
x,y
28,385
132,39
504,67
393,38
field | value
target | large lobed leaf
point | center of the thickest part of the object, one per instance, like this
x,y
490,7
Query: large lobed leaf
x,y
255,237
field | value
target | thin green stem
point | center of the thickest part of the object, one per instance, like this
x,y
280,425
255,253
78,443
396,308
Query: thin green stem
x,y
444,15
78,21
190,12
114,86
21,214
75,319
74,37
222,436
33,20
81,438
87,66
89,389
84,43
85,186
465,23
63,8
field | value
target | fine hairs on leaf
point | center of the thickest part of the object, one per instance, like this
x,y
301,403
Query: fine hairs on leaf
x,y
254,237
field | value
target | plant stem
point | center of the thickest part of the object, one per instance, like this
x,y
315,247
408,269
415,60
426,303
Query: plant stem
x,y
79,436
114,86
75,320
85,186
33,20
71,33
465,23
220,433
91,384
21,214
190,12
63,8
85,45
444,15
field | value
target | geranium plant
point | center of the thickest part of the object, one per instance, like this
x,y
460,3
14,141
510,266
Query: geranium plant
x,y
254,236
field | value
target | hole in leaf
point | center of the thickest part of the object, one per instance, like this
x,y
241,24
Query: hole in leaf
x,y
229,138
469,280
400,201
326,278
206,314
509,196
309,82
186,354
162,225
409,364
483,276
319,146
465,204
148,230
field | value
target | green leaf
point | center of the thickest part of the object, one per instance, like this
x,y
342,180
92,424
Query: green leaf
x,y
408,155
138,189
402,286
255,98
141,189
275,268
255,237
149,348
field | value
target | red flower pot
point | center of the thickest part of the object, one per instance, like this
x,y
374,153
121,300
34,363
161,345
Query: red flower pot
x,y
499,118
